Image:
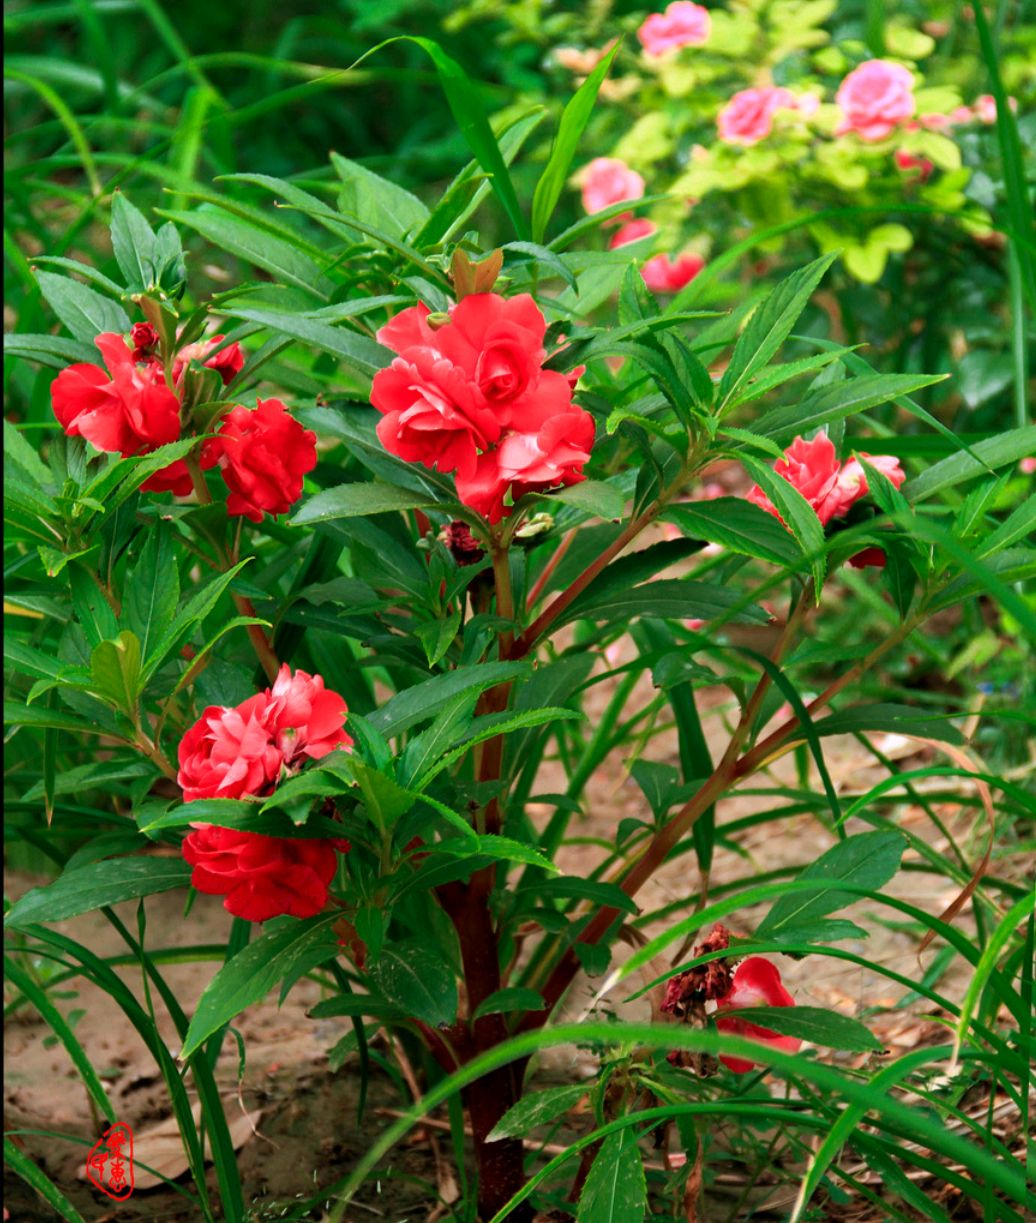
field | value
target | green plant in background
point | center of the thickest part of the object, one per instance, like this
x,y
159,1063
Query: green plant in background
x,y
460,597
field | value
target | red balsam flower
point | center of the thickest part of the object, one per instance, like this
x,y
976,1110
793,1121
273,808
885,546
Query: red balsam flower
x,y
262,453
260,876
470,395
756,982
244,751
830,487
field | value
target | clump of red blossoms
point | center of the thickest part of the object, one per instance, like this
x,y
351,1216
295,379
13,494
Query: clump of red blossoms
x,y
244,751
130,408
467,393
830,487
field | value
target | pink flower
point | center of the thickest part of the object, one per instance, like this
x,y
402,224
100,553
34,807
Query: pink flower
x,y
664,275
124,411
875,98
261,876
683,24
608,181
831,489
632,231
1027,466
748,117
263,455
526,462
756,982
907,162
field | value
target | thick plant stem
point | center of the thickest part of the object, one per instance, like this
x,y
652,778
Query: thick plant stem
x,y
730,770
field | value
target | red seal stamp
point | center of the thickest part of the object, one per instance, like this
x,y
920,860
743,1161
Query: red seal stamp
x,y
109,1165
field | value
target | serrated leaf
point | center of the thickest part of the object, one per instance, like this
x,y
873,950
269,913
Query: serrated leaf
x,y
357,501
536,1108
814,1024
868,860
100,883
86,313
615,1190
250,975
417,980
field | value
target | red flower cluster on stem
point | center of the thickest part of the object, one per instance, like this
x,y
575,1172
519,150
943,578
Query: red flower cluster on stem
x,y
131,407
244,751
467,393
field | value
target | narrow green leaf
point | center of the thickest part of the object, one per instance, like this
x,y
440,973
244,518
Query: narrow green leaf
x,y
574,119
615,1190
83,311
100,883
250,975
867,860
357,501
536,1108
814,1024
418,981
989,454
513,998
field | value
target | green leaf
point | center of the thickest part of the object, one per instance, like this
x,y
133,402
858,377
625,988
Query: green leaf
x,y
989,454
592,497
536,1108
868,860
152,589
100,883
32,715
258,247
615,1189
837,401
797,512
356,501
436,636
770,325
83,311
823,930
574,119
115,671
426,699
513,998
736,524
899,719
250,975
419,981
92,609
357,351
607,895
371,198
470,113
133,243
814,1024
20,1163
193,612
666,599
18,450
55,351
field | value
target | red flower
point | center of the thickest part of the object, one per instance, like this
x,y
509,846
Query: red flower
x,y
830,488
125,411
305,716
230,753
664,275
260,876
524,462
433,413
228,362
756,982
263,455
468,393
